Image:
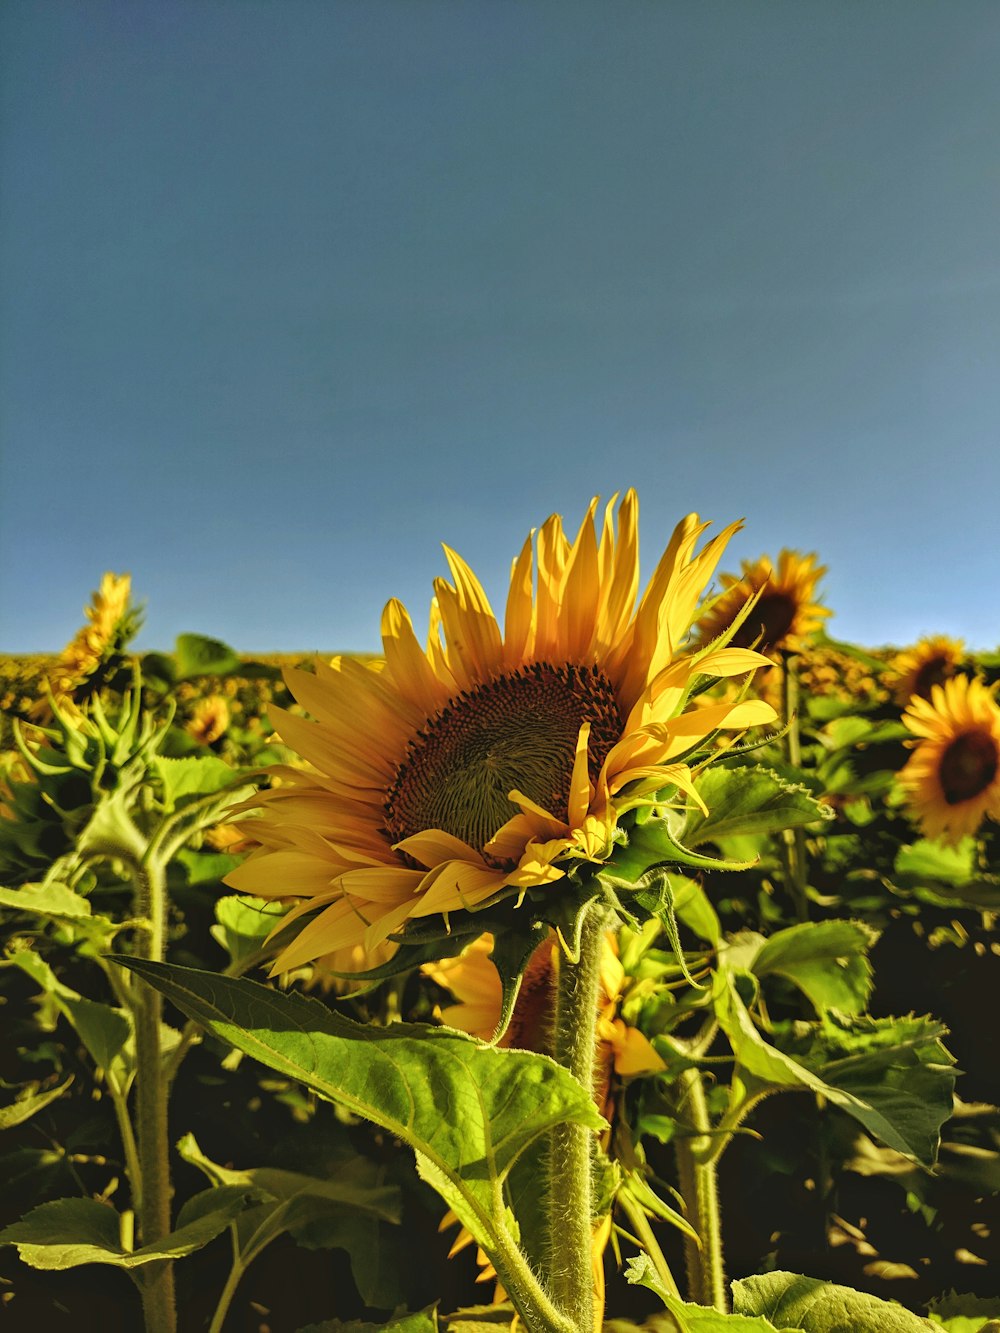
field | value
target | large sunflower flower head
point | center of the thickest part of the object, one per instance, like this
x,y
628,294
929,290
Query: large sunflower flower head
x,y
785,612
951,782
492,760
930,662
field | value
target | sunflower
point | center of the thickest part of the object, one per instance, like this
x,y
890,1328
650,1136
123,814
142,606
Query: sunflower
x,y
786,611
932,661
111,622
442,777
209,719
952,779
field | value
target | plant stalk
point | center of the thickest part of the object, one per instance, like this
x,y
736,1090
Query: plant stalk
x,y
697,1166
156,1279
571,1147
795,839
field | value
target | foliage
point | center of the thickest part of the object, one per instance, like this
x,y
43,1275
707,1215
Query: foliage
x,y
787,938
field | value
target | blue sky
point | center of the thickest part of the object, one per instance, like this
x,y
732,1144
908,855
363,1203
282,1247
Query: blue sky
x,y
295,290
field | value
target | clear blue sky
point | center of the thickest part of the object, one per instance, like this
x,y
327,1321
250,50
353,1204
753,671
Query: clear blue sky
x,y
294,290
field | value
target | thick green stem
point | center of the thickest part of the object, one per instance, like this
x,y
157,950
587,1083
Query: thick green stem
x,y
571,1147
795,840
697,1164
157,1279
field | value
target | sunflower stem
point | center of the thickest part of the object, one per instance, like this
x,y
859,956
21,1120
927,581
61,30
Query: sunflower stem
x,y
697,1169
571,1147
795,839
157,1281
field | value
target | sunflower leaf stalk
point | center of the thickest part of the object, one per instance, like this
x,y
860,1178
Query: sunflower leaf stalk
x,y
571,1148
697,1169
795,839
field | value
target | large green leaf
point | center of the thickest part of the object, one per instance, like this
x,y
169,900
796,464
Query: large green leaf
x,y
898,1085
187,780
320,1213
748,800
54,900
693,1318
68,1232
827,960
467,1110
104,1031
810,1305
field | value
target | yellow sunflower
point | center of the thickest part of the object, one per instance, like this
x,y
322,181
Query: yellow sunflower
x,y
490,760
786,612
209,719
952,779
930,662
110,622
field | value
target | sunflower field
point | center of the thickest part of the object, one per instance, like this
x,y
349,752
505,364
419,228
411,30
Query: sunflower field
x,y
461,988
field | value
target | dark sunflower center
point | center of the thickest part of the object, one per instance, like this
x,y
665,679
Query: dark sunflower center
x,y
968,766
935,671
519,730
772,616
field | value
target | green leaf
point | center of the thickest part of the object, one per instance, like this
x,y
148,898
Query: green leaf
x,y
814,1306
195,776
928,860
25,1107
694,908
827,960
55,900
425,1322
748,800
946,876
104,1031
68,1232
652,844
898,1086
196,655
692,1318
244,923
468,1110
966,1314
343,1213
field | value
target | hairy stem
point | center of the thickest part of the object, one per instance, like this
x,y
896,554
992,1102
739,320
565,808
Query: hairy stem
x,y
795,839
697,1164
157,1279
571,1147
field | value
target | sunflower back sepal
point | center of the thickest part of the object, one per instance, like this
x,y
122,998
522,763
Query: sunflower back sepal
x,y
653,844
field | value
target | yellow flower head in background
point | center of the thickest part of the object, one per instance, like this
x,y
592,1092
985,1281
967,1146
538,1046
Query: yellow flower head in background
x,y
952,779
785,614
87,649
490,758
930,662
209,719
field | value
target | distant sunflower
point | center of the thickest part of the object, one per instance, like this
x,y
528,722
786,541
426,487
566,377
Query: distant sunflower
x,y
442,776
111,622
209,719
785,614
932,661
952,779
